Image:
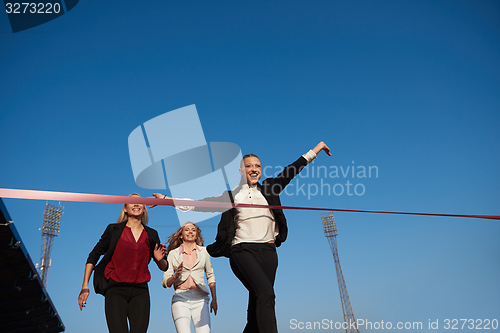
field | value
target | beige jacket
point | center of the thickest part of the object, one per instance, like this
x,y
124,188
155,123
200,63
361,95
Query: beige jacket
x,y
201,267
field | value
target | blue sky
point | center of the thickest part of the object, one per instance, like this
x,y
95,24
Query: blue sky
x,y
411,87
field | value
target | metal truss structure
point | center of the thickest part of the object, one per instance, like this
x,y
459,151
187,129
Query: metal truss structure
x,y
330,229
50,229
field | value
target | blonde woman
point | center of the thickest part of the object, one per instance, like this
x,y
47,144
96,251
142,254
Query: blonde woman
x,y
190,261
122,275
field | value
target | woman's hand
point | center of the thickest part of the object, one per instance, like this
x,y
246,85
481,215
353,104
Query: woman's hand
x,y
177,275
160,251
178,271
159,254
159,196
321,146
213,306
82,298
84,293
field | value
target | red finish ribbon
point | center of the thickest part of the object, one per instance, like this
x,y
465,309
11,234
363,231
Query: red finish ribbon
x,y
85,197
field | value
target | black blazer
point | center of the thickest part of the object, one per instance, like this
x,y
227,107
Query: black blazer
x,y
109,239
271,189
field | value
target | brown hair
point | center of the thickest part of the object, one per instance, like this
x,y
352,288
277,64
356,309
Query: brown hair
x,y
124,216
174,241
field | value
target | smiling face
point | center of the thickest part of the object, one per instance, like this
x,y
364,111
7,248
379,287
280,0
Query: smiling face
x,y
189,232
251,170
134,210
137,211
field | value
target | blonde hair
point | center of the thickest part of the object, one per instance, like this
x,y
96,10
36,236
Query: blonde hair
x,y
174,241
124,216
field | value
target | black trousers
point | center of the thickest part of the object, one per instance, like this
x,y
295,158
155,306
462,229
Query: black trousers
x,y
255,265
127,301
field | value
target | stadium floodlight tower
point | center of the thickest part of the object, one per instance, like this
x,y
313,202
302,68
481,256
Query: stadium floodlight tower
x,y
50,229
330,229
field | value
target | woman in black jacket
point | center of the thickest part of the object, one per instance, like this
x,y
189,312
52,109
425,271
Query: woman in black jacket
x,y
122,275
249,236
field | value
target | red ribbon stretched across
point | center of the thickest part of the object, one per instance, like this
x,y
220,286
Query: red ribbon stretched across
x,y
85,197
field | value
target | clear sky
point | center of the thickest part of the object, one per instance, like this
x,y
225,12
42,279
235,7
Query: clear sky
x,y
411,88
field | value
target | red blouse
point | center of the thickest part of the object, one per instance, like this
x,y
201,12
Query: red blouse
x,y
129,262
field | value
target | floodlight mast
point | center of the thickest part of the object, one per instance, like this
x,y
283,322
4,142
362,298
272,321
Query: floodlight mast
x,y
330,229
50,229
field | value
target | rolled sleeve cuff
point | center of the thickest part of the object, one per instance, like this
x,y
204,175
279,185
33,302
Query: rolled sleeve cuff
x,y
309,156
184,209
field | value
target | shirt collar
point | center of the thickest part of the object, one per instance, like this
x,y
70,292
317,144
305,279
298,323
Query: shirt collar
x,y
181,249
246,186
